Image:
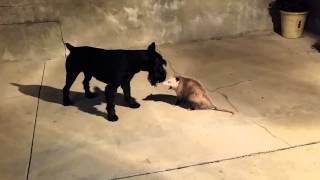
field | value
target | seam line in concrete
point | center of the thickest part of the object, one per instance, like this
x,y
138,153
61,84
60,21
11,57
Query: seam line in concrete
x,y
219,161
29,22
20,5
35,122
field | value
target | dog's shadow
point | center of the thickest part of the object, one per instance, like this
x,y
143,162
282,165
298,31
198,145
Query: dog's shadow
x,y
166,98
54,95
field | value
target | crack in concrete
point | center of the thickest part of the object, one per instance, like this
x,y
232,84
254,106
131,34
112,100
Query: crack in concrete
x,y
224,95
235,108
228,101
229,85
255,122
219,161
270,133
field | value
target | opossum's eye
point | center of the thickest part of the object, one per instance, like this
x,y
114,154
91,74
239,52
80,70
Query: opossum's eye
x,y
177,79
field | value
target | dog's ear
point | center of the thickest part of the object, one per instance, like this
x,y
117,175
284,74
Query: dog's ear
x,y
152,47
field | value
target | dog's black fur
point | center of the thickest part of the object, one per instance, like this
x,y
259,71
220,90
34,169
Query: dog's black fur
x,y
113,67
316,46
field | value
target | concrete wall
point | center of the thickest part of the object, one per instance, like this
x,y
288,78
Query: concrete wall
x,y
135,23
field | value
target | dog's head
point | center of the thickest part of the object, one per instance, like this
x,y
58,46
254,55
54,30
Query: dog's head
x,y
157,72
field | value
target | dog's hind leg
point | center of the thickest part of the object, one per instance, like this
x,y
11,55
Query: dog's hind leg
x,y
86,86
127,94
110,92
70,78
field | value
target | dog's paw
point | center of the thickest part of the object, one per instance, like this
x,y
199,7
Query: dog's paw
x,y
90,95
67,103
112,117
134,105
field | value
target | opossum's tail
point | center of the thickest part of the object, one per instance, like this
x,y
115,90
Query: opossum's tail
x,y
223,110
69,46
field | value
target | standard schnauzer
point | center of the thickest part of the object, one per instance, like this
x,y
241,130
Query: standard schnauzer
x,y
113,67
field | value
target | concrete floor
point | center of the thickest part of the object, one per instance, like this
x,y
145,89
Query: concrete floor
x,y
273,83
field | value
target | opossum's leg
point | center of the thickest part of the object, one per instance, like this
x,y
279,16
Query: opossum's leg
x,y
86,86
193,106
110,92
125,85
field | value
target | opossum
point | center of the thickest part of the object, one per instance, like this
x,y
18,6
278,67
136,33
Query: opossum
x,y
192,92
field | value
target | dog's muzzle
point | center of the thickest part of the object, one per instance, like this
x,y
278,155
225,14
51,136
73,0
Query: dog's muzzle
x,y
157,76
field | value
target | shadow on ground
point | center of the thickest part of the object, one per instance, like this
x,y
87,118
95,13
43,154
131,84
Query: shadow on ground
x,y
54,95
169,99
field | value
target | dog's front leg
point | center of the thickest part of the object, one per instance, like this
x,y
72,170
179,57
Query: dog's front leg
x,y
110,92
127,94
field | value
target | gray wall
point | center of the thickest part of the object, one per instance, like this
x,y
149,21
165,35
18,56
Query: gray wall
x,y
127,23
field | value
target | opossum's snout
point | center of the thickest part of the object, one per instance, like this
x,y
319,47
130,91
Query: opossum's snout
x,y
172,83
166,84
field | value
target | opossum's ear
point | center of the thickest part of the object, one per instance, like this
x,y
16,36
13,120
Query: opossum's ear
x,y
177,79
152,47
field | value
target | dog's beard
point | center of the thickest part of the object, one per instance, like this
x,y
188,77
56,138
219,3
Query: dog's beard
x,y
157,77
152,79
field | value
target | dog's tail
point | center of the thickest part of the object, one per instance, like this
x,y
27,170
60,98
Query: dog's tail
x,y
69,46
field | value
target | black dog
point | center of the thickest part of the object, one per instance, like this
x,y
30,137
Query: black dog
x,y
113,67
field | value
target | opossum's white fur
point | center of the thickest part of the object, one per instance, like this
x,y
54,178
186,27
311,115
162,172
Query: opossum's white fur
x,y
172,83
